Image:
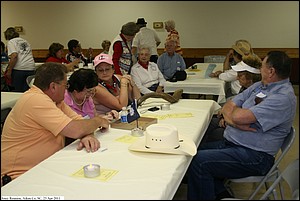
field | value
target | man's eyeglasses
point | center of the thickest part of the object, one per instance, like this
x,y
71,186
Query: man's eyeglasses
x,y
66,85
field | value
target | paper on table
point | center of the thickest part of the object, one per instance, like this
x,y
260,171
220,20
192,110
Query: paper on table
x,y
165,116
210,69
193,70
127,139
191,73
105,174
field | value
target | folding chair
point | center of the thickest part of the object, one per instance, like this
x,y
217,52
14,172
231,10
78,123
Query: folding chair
x,y
273,173
29,80
4,114
291,176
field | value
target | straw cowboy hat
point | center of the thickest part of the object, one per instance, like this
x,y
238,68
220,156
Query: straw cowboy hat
x,y
164,138
243,48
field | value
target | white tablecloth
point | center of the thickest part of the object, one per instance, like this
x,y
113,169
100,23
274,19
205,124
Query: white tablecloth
x,y
140,175
196,83
8,99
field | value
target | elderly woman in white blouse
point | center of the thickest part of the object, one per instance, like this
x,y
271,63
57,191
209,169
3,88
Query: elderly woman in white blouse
x,y
146,74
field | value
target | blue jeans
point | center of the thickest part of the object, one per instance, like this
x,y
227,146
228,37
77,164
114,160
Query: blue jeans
x,y
19,79
216,161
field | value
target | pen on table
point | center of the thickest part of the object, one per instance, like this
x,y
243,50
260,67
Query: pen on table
x,y
102,149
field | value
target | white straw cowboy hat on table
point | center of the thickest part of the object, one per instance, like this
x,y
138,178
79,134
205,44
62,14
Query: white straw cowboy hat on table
x,y
164,138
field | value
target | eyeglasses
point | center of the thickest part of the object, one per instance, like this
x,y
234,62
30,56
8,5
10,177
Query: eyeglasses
x,y
103,70
66,85
91,91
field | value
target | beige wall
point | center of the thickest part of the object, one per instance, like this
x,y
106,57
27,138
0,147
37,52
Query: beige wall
x,y
202,24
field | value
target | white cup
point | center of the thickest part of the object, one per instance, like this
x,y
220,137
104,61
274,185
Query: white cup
x,y
90,65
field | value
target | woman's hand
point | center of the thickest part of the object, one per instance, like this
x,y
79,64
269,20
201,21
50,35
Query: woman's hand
x,y
130,80
111,116
124,80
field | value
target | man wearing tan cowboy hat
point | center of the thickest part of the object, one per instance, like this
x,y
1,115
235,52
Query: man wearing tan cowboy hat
x,y
147,37
239,49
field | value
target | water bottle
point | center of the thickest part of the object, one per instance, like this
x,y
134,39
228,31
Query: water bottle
x,y
124,114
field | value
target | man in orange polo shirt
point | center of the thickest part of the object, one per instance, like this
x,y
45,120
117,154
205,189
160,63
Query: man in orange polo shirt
x,y
38,123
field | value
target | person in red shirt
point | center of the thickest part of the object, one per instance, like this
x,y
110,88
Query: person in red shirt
x,y
56,54
120,50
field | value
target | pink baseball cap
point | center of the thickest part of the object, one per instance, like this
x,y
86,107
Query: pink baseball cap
x,y
102,58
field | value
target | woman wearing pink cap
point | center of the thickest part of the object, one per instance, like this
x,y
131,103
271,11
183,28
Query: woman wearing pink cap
x,y
114,91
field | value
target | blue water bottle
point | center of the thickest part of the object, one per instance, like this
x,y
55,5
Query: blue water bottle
x,y
124,114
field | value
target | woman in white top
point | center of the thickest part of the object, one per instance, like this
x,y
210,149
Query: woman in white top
x,y
21,63
146,74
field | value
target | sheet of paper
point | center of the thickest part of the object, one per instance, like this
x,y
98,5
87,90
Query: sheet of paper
x,y
193,70
210,69
127,139
165,116
105,174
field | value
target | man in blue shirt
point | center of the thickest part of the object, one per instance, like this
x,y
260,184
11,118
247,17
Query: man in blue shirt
x,y
258,120
170,61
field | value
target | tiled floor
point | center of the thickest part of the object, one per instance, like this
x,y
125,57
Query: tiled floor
x,y
244,190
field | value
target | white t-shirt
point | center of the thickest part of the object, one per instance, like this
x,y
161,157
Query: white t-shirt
x,y
231,76
25,59
147,37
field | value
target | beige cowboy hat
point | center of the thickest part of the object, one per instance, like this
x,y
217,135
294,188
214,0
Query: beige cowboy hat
x,y
243,47
164,138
